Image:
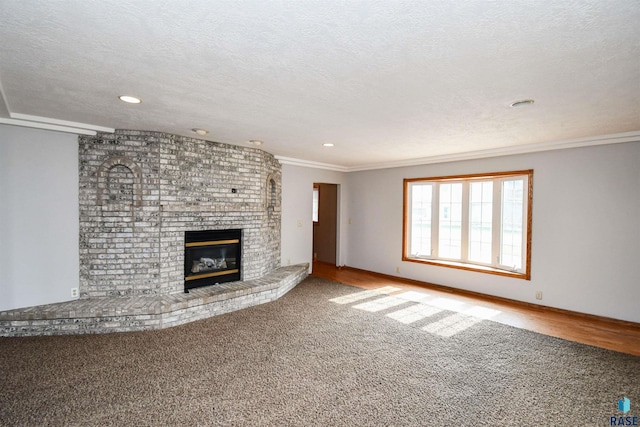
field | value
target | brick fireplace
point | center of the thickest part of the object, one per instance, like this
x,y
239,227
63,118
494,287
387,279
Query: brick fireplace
x,y
141,194
141,191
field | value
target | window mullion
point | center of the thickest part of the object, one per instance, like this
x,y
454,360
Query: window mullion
x,y
525,222
435,220
408,220
464,255
496,225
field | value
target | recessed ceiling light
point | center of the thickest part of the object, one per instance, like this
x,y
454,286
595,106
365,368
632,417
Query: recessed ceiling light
x,y
130,99
328,144
522,103
255,142
201,132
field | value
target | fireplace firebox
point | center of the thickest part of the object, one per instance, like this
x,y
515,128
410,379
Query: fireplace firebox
x,y
211,257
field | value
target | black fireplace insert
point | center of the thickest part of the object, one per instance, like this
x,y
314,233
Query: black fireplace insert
x,y
211,257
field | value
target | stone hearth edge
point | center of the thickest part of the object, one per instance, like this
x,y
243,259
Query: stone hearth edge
x,y
148,312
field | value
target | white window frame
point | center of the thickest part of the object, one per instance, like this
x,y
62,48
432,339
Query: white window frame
x,y
495,266
315,210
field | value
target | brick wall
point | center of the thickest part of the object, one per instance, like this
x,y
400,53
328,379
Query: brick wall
x,y
140,191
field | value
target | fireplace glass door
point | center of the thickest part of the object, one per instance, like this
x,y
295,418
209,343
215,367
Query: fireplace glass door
x,y
211,257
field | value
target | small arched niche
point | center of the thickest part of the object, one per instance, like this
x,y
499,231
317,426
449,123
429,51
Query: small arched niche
x,y
271,199
119,182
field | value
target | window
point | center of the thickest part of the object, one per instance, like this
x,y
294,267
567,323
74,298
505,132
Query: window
x,y
474,222
316,203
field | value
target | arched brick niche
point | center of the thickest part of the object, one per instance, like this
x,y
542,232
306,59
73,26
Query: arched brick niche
x,y
272,197
118,179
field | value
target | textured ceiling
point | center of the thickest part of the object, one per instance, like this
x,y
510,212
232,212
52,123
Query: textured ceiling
x,y
383,80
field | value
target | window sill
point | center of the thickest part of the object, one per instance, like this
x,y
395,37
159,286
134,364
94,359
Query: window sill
x,y
471,267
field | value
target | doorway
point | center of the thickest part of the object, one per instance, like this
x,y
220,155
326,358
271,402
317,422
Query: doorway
x,y
325,223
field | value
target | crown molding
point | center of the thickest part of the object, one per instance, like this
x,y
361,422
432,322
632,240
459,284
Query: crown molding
x,y
57,122
508,151
37,122
46,126
310,164
480,154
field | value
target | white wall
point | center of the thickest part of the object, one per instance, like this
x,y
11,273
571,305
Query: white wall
x,y
38,217
585,236
297,201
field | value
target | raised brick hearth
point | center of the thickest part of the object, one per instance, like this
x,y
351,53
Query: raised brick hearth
x,y
139,313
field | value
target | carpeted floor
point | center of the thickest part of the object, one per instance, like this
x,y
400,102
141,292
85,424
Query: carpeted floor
x,y
324,354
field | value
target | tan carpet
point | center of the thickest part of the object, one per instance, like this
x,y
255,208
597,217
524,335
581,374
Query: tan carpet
x,y
306,360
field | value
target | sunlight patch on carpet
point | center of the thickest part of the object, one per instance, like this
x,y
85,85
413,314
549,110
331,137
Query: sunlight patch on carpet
x,y
448,304
358,296
423,305
380,304
414,313
451,325
414,296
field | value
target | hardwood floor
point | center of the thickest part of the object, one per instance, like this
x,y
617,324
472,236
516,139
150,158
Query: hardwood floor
x,y
597,331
